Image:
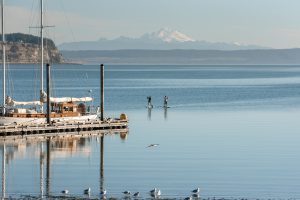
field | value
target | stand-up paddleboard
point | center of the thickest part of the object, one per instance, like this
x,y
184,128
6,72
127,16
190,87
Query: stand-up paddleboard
x,y
163,107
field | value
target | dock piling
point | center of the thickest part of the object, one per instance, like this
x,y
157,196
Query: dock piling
x,y
48,94
102,91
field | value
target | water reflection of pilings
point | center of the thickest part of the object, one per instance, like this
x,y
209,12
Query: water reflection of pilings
x,y
42,170
165,113
149,113
48,168
101,163
102,156
3,171
44,147
61,145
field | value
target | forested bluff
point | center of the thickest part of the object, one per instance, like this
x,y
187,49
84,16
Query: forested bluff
x,y
25,48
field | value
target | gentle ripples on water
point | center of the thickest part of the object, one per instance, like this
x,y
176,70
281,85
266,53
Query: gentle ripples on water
x,y
231,130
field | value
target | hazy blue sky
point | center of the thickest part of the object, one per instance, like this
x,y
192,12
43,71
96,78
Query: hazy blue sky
x,y
273,23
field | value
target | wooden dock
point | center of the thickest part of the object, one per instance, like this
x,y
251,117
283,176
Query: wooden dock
x,y
63,127
35,129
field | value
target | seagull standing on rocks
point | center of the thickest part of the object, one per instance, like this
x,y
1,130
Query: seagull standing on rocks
x,y
65,192
152,192
155,192
87,191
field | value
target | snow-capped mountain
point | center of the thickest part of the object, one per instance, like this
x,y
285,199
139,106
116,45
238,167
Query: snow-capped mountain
x,y
164,39
168,35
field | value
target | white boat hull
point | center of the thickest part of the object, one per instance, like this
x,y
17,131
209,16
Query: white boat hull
x,y
19,120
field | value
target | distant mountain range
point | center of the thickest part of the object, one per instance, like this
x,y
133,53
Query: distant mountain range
x,y
173,47
164,39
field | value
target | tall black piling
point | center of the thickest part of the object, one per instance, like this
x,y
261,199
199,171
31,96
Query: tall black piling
x,y
102,91
48,94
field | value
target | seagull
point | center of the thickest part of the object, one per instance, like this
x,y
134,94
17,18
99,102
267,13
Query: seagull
x,y
158,192
103,192
127,192
137,194
155,192
65,191
152,192
87,191
196,190
188,198
152,145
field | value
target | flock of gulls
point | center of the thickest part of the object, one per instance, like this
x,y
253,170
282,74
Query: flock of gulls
x,y
155,193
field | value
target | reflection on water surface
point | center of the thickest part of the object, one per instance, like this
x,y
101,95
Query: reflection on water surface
x,y
48,149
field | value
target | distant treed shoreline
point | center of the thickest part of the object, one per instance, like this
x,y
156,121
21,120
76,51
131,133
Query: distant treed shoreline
x,y
238,57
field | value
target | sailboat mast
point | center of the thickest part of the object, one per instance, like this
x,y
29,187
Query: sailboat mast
x,y
3,58
42,51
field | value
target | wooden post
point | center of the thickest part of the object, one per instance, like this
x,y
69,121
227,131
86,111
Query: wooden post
x,y
48,94
102,92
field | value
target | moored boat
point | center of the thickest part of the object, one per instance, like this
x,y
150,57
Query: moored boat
x,y
61,109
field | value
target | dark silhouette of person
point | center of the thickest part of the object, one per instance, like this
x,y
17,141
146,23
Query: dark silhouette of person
x,y
166,102
149,102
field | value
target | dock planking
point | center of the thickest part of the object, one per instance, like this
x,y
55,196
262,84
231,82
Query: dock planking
x,y
63,127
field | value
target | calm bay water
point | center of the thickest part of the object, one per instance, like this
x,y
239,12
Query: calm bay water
x,y
230,130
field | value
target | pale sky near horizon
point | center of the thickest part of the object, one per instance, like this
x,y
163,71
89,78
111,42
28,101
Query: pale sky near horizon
x,y
270,23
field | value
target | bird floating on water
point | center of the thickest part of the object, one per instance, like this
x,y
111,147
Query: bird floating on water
x,y
127,192
137,194
188,198
196,190
152,145
65,191
87,191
